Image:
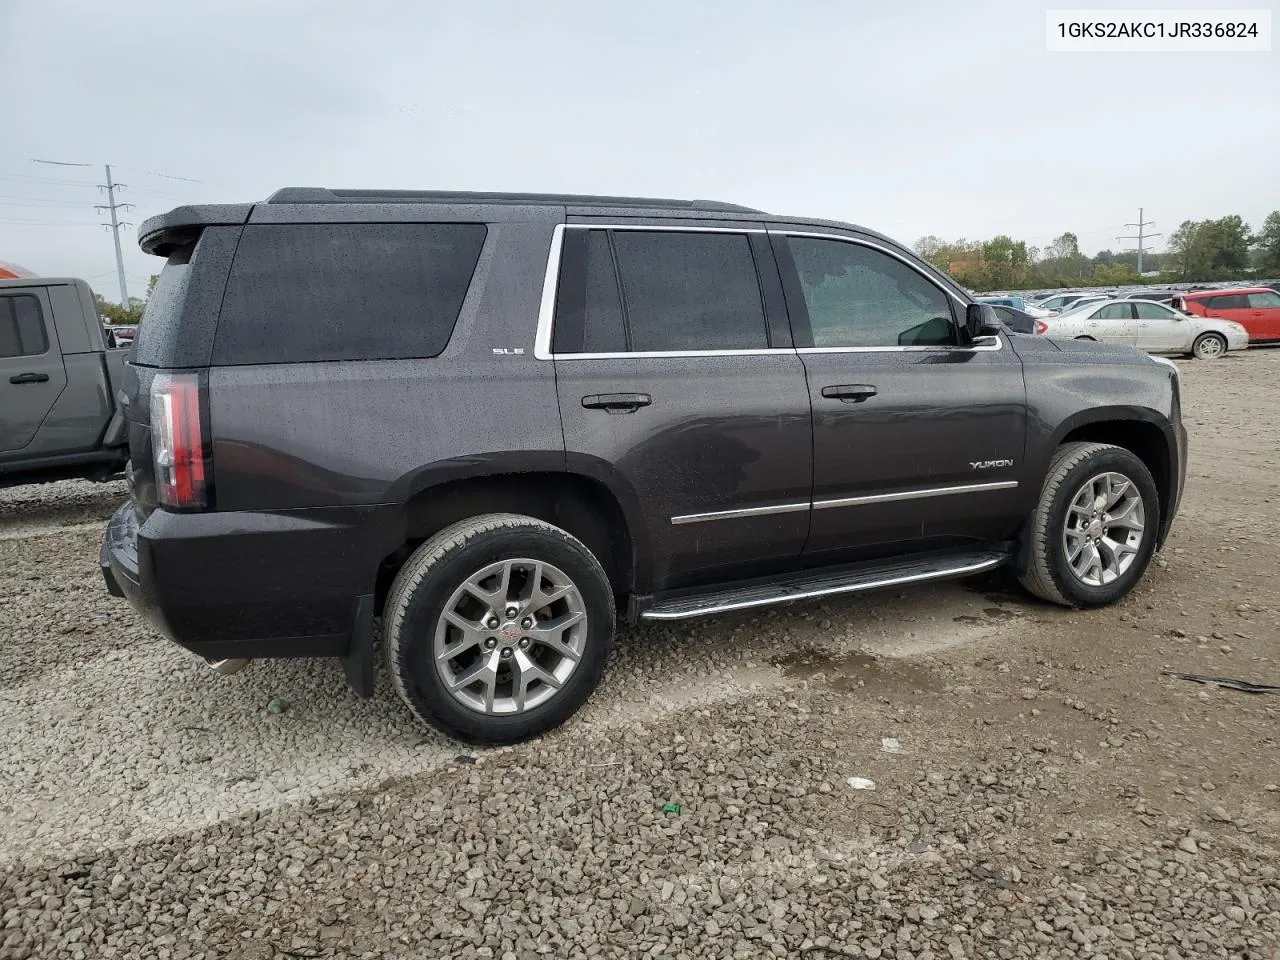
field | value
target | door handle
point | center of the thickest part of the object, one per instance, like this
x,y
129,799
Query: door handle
x,y
30,378
617,403
849,392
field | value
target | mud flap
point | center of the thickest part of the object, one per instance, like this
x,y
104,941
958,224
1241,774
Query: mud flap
x,y
358,662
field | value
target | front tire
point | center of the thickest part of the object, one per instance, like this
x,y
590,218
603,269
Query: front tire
x,y
1092,535
497,628
1209,346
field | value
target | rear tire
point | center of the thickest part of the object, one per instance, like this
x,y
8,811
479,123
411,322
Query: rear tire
x,y
1092,535
497,628
1209,346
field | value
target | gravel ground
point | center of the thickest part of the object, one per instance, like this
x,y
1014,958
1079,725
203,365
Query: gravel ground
x,y
1042,787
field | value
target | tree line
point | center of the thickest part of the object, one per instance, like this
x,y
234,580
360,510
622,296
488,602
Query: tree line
x,y
119,313
1222,249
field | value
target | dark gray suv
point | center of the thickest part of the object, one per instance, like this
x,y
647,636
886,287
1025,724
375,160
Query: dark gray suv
x,y
497,421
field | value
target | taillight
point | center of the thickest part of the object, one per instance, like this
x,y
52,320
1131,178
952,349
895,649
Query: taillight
x,y
1041,327
177,440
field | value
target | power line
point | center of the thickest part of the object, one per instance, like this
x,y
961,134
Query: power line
x,y
1141,237
24,178
52,223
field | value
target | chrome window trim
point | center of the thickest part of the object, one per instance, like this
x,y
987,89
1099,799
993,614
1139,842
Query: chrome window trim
x,y
796,506
874,246
982,344
551,281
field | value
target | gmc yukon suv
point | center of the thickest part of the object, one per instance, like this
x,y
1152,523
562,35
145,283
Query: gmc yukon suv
x,y
498,421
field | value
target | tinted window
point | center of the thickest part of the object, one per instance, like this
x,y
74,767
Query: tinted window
x,y
1115,311
588,305
1264,299
689,291
860,297
1235,301
22,332
307,292
1153,311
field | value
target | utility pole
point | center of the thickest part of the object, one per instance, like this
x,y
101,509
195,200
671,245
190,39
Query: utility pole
x,y
1141,237
114,226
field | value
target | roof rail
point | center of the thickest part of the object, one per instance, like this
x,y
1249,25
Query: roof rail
x,y
325,195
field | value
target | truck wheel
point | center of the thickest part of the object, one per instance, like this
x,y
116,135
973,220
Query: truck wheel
x,y
1209,346
497,628
1093,532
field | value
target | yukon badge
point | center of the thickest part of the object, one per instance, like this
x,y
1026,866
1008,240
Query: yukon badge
x,y
989,464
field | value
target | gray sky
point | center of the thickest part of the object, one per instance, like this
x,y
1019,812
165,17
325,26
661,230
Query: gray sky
x,y
910,117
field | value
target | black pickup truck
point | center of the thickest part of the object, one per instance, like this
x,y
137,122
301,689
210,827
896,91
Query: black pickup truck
x,y
60,374
493,420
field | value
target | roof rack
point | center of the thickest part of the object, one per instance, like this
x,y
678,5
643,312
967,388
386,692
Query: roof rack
x,y
325,195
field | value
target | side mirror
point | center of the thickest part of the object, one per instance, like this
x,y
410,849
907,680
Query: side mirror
x,y
980,321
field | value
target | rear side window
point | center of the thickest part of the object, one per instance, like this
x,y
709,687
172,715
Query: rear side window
x,y
1257,300
314,292
658,291
1115,311
1235,301
22,332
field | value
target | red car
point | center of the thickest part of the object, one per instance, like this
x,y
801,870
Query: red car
x,y
1257,309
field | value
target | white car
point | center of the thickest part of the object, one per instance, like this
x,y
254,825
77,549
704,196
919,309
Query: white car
x,y
1064,302
1150,326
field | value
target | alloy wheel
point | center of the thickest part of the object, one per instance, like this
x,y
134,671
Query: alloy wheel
x,y
510,636
1104,529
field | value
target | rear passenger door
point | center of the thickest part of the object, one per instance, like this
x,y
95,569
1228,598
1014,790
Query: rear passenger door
x,y
1114,323
31,371
1264,315
679,385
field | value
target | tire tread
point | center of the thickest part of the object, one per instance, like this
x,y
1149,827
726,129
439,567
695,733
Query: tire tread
x,y
1033,572
420,566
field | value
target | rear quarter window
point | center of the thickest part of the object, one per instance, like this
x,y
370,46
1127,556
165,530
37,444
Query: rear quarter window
x,y
319,292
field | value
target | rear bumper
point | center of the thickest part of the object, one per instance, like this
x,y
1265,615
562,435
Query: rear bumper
x,y
229,585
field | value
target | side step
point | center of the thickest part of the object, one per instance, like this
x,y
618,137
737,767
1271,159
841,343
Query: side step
x,y
823,583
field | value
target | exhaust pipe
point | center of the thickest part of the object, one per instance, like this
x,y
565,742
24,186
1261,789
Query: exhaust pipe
x,y
225,668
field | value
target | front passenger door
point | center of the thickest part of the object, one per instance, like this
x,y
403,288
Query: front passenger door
x,y
917,439
1160,330
1264,315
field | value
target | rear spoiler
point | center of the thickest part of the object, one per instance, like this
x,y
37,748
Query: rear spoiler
x,y
161,235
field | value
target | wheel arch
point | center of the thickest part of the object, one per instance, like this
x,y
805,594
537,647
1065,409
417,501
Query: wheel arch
x,y
582,505
1145,433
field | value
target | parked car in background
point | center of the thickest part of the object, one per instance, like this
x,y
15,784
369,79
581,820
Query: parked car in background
x,y
1019,321
122,333
1059,301
559,409
1156,296
1016,303
59,379
1257,309
1152,327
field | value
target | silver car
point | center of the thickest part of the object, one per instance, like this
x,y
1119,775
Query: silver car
x,y
1150,326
